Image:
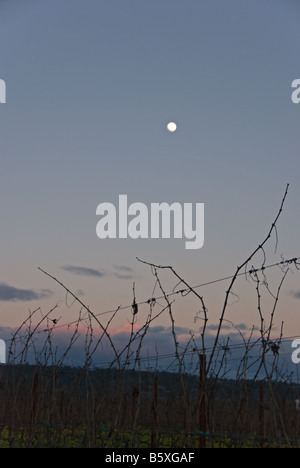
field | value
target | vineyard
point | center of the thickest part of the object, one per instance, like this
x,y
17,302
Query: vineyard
x,y
199,399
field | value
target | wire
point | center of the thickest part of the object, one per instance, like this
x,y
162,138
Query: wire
x,y
233,347
183,291
153,300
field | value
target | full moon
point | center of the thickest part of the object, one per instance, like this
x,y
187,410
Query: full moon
x,y
171,127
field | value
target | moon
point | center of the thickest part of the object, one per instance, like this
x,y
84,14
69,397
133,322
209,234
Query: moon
x,y
172,127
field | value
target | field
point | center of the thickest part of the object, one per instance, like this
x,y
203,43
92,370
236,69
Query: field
x,y
44,407
197,401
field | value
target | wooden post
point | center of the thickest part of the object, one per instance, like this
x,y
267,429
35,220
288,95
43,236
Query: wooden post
x,y
261,416
135,394
154,413
34,396
61,404
211,409
202,407
283,409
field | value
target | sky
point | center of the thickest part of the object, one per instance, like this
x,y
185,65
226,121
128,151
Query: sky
x,y
90,87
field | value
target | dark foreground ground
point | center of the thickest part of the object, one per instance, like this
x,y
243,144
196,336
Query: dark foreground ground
x,y
73,407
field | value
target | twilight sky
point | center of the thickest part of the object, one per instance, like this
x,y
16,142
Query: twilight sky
x,y
91,86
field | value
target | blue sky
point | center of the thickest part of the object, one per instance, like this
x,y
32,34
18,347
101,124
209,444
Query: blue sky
x,y
90,88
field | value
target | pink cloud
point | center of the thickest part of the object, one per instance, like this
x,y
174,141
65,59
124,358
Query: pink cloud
x,y
125,328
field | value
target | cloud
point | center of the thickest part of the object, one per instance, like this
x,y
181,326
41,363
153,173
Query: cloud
x,y
215,326
123,268
126,272
123,272
296,294
10,293
157,351
228,326
117,275
83,271
126,329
